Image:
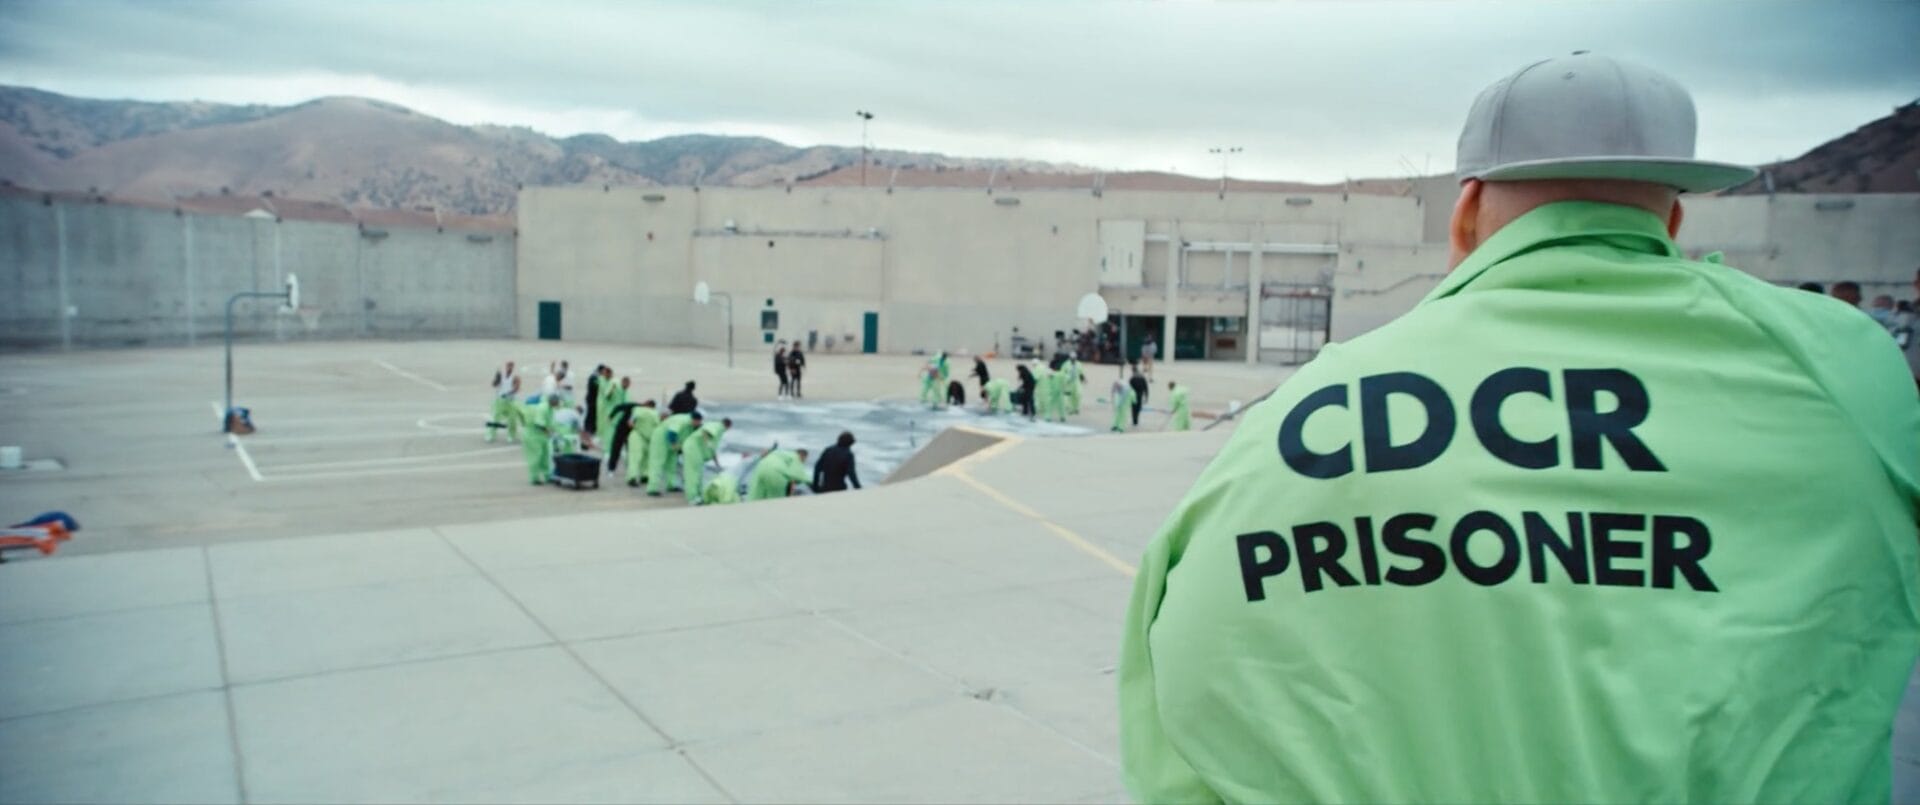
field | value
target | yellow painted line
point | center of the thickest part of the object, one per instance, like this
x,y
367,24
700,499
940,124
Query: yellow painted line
x,y
1006,442
1058,530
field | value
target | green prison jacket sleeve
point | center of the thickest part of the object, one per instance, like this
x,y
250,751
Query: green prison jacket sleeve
x,y
793,469
1592,523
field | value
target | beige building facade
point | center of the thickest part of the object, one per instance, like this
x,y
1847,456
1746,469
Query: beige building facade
x,y
1236,276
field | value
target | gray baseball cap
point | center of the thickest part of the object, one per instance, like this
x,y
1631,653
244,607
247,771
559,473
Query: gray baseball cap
x,y
1586,116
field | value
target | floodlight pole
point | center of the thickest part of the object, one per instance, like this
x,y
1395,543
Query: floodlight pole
x,y
226,414
1224,152
865,117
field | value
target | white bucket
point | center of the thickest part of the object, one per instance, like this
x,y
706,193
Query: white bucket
x,y
10,457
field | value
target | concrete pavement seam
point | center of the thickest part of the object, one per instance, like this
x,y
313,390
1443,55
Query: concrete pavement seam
x,y
964,688
631,706
226,681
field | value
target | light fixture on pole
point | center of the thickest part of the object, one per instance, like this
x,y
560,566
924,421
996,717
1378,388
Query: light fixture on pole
x,y
1225,152
865,148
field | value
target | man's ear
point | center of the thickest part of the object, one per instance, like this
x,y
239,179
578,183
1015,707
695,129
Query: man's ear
x,y
1674,217
1462,231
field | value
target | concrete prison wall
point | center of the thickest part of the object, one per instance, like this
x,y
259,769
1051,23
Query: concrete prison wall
x,y
939,268
132,275
954,268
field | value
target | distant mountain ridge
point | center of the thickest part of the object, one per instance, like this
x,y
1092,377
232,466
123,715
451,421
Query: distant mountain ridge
x,y
1880,157
359,152
369,154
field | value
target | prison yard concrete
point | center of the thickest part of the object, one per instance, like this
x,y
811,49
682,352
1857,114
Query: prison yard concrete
x,y
373,435
364,608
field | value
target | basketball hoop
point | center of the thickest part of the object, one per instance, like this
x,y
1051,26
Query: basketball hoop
x,y
309,318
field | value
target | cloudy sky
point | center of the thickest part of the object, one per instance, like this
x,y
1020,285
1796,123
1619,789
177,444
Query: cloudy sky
x,y
1311,90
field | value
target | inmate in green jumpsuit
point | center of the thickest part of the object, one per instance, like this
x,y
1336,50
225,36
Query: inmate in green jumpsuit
x,y
1070,385
774,473
1182,418
641,424
664,448
701,445
537,447
1042,392
1122,405
721,488
929,395
997,396
612,396
506,411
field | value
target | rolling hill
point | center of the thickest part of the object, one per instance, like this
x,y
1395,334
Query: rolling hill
x,y
369,154
365,153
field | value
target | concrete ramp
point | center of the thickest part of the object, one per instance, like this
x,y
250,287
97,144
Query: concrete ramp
x,y
949,446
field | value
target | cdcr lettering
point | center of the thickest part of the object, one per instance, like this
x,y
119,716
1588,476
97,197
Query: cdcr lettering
x,y
1587,427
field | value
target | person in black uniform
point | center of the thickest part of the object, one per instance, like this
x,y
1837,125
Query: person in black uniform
x,y
1027,385
796,364
834,470
780,370
1140,387
980,371
593,397
623,425
683,401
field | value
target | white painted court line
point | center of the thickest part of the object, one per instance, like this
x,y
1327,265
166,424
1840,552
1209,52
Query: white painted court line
x,y
276,441
375,462
241,450
276,423
410,376
375,473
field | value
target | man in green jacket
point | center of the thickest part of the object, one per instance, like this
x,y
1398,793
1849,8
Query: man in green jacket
x,y
701,445
537,445
664,449
996,396
641,423
1592,523
1122,396
506,408
776,474
612,396
1181,417
1070,380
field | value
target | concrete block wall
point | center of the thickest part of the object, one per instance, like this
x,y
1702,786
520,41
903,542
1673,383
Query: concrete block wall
x,y
138,275
949,268
943,268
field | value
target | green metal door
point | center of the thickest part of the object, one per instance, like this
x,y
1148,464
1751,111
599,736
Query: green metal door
x,y
549,321
1189,338
870,342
